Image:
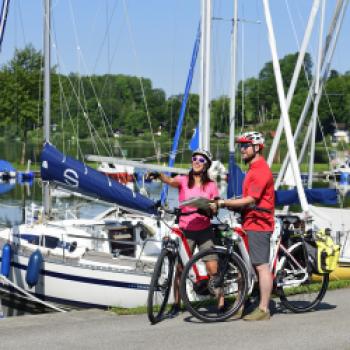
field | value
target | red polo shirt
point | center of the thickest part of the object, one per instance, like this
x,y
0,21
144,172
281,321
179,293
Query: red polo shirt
x,y
258,184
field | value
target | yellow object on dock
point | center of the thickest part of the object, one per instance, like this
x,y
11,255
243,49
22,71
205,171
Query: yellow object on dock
x,y
340,273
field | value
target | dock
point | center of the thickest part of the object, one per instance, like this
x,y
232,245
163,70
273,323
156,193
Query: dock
x,y
325,328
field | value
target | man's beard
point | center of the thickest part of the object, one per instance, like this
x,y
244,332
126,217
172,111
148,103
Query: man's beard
x,y
249,159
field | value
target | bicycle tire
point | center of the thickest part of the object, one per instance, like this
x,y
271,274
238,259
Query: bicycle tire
x,y
160,286
198,298
307,295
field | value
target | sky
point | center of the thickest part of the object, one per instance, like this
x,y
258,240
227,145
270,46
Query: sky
x,y
154,38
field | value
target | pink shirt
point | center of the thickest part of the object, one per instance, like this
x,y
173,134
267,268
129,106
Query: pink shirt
x,y
195,221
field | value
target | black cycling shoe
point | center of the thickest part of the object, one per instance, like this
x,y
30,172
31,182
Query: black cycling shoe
x,y
174,311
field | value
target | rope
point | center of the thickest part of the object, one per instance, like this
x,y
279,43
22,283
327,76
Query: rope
x,y
99,107
308,83
140,79
5,280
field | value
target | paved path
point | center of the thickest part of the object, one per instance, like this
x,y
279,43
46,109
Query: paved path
x,y
327,328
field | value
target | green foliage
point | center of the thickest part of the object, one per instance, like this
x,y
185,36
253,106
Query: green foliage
x,y
20,96
82,106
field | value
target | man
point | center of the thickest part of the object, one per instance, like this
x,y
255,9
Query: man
x,y
257,205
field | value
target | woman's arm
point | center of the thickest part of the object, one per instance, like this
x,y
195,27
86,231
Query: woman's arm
x,y
171,181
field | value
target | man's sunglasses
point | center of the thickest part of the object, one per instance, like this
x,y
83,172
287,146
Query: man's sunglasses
x,y
245,145
199,159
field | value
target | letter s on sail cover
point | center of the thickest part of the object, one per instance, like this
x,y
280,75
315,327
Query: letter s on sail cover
x,y
71,177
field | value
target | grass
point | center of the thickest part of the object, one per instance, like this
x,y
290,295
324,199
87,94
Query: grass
x,y
129,311
333,285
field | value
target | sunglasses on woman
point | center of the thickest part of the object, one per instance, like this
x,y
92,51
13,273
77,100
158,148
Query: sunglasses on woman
x,y
199,159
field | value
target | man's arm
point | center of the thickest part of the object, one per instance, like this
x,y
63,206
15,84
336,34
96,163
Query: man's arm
x,y
237,203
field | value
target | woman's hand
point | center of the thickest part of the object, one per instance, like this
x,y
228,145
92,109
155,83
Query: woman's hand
x,y
152,176
213,205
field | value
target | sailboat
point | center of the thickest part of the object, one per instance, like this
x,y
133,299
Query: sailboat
x,y
100,262
314,217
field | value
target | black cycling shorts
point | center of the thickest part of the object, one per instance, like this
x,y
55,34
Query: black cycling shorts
x,y
204,239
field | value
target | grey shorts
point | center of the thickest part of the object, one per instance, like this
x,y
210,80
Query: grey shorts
x,y
204,239
259,247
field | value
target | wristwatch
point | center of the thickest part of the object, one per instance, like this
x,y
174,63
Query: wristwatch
x,y
221,203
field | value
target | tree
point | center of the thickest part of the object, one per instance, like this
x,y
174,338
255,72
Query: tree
x,y
20,95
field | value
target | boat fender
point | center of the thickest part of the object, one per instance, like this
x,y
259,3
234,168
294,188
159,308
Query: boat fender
x,y
34,267
6,260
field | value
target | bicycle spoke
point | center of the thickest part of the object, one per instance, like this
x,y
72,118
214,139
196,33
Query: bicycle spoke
x,y
297,290
213,298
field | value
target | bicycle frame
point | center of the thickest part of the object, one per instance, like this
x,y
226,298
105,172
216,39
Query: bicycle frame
x,y
184,254
276,258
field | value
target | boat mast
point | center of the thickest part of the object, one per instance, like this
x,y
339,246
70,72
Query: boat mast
x,y
204,110
317,92
328,51
47,94
233,79
295,77
3,18
284,109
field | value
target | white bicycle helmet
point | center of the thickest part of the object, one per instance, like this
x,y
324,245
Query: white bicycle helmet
x,y
253,137
206,154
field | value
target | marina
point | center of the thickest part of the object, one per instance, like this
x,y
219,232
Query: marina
x,y
85,231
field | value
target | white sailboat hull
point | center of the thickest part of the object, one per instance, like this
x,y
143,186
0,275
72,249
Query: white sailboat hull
x,y
83,285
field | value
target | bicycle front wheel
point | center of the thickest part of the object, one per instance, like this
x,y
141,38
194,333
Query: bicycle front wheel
x,y
297,291
218,297
161,282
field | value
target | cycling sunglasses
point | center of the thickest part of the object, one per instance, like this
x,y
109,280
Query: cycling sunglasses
x,y
245,145
199,159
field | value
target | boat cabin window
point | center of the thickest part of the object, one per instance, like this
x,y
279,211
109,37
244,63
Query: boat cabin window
x,y
50,242
32,239
111,165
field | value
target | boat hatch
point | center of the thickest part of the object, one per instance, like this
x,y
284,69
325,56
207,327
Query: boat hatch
x,y
121,240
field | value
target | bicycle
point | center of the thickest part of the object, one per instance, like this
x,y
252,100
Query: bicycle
x,y
236,276
175,249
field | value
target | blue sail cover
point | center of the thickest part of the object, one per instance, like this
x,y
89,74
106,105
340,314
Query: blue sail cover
x,y
315,195
326,196
235,178
78,177
194,142
6,166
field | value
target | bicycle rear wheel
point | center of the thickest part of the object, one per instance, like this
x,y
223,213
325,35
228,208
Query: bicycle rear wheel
x,y
159,290
295,294
201,294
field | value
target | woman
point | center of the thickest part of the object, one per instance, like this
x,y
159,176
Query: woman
x,y
196,226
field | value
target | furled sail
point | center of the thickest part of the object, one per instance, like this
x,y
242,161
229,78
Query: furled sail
x,y
235,178
75,175
326,196
315,195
